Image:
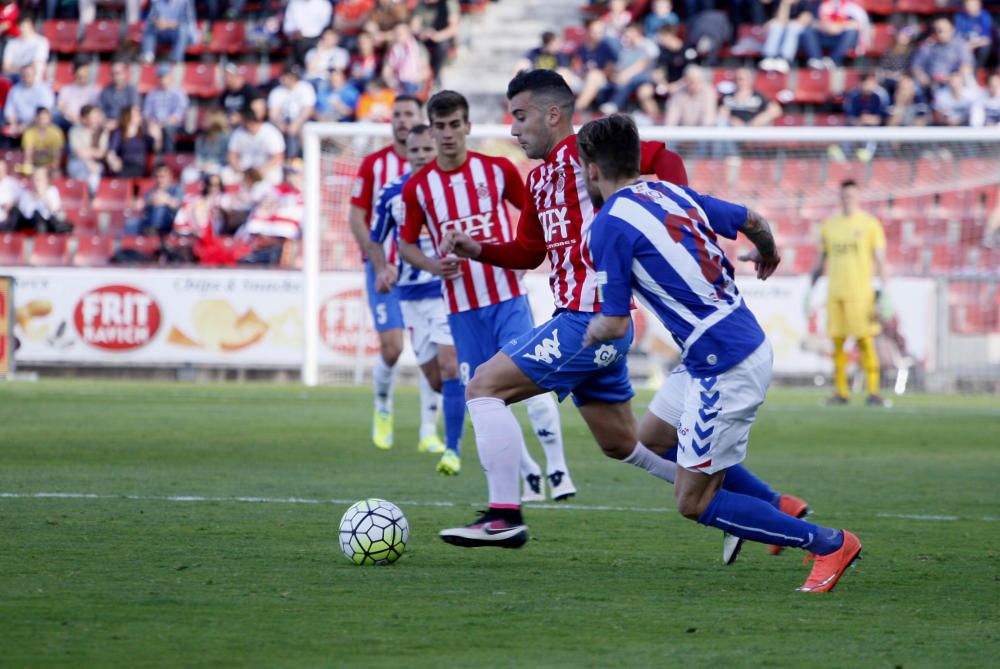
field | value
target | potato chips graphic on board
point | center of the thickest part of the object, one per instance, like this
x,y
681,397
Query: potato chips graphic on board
x,y
218,327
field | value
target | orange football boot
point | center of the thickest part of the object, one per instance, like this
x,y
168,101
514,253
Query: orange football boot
x,y
827,569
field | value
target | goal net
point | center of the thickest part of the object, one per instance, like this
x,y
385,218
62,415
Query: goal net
x,y
933,189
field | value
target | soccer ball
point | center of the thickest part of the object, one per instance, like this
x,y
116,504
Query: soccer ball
x,y
373,531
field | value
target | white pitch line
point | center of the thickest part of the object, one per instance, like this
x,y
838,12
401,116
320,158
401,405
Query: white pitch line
x,y
425,503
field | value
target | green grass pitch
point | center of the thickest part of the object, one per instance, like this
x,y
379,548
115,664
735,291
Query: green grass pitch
x,y
135,576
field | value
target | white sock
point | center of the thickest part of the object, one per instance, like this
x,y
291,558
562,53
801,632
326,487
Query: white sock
x,y
643,458
528,464
430,409
499,442
384,378
543,412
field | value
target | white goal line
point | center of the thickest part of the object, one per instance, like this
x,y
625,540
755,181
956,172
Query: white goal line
x,y
430,503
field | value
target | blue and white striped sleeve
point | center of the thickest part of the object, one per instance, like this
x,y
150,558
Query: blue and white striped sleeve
x,y
612,252
383,222
725,218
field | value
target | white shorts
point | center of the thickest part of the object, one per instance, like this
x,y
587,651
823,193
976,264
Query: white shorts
x,y
713,415
428,325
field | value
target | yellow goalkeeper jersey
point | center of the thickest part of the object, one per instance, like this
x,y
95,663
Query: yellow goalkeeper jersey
x,y
849,243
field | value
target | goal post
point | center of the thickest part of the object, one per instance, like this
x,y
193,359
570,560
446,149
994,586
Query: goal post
x,y
934,189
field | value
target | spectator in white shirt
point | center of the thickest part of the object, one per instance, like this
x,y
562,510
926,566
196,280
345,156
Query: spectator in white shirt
x,y
304,21
24,100
28,49
289,105
75,96
326,56
256,144
40,207
954,102
10,192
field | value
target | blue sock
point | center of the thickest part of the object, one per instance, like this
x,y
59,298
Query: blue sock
x,y
754,519
453,401
741,481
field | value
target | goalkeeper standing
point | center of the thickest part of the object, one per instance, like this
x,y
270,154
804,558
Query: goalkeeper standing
x,y
852,244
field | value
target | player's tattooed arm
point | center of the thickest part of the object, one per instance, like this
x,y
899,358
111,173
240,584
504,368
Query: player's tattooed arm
x,y
765,256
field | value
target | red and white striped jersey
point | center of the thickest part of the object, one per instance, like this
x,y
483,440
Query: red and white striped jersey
x,y
559,211
376,170
469,199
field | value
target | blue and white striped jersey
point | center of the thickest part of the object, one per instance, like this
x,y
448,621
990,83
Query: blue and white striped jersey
x,y
413,283
658,240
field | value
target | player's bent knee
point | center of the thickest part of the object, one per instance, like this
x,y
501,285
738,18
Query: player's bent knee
x,y
690,505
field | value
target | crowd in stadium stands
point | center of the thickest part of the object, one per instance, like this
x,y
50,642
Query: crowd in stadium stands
x,y
181,120
712,62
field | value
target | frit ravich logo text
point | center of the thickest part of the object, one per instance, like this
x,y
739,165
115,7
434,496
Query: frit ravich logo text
x,y
547,350
117,318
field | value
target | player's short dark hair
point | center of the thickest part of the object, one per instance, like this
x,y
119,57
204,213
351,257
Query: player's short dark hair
x,y
444,103
613,144
548,37
546,85
418,129
406,97
848,183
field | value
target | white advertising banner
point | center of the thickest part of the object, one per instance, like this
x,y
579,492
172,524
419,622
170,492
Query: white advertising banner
x,y
253,318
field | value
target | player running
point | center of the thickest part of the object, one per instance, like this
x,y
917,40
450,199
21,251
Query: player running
x,y
487,306
376,170
419,291
554,224
658,241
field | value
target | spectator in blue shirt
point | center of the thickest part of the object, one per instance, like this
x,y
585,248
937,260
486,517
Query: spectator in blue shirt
x,y
23,101
118,95
868,104
337,97
660,14
594,62
975,26
165,108
944,53
167,24
159,205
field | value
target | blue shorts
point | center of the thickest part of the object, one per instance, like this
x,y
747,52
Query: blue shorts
x,y
480,333
552,355
385,306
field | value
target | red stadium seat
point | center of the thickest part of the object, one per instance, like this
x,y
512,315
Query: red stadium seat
x,y
813,86
790,121
771,84
177,161
882,37
888,174
147,78
49,250
573,37
801,175
62,75
830,120
73,192
709,176
838,172
200,80
140,243
761,174
749,40
114,194
723,75
933,171
11,248
82,218
103,74
250,72
196,48
881,7
227,37
916,6
113,220
805,258
93,250
133,33
62,35
102,36
852,79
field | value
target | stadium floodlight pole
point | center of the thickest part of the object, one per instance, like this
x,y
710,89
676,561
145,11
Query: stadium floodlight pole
x,y
311,236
